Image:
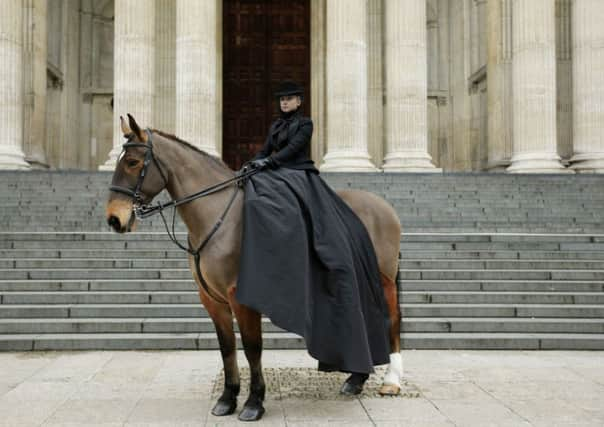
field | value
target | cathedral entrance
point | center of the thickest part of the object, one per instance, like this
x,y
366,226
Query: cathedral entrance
x,y
264,42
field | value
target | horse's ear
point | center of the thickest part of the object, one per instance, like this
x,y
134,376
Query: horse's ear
x,y
125,128
142,136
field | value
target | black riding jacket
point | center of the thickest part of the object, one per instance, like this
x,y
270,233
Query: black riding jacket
x,y
288,142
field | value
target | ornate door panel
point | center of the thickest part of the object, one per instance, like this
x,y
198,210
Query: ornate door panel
x,y
265,42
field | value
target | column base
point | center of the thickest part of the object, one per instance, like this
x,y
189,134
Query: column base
x,y
37,162
12,159
347,162
588,163
537,163
498,166
409,162
109,165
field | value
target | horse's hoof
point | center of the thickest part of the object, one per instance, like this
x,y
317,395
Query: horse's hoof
x,y
390,390
251,413
224,407
349,389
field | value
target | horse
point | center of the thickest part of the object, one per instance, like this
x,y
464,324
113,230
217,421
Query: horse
x,y
152,161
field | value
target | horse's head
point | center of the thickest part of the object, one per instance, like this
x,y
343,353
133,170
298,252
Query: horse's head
x,y
137,178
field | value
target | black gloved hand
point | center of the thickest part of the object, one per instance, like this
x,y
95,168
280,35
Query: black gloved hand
x,y
264,163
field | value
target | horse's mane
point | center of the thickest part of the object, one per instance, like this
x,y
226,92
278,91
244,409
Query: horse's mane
x,y
216,160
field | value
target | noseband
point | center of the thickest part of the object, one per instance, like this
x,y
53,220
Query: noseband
x,y
142,210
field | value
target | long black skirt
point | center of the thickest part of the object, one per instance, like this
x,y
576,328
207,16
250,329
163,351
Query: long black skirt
x,y
307,263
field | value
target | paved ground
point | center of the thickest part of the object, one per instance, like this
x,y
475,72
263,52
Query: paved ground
x,y
177,388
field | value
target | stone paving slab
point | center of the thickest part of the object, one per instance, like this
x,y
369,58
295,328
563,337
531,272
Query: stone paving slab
x,y
178,388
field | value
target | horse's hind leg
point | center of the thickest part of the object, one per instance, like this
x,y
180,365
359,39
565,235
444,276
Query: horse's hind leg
x,y
250,327
223,321
392,378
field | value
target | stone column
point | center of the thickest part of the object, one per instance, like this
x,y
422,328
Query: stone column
x,y
11,86
375,81
133,68
406,87
534,87
588,86
196,73
165,66
564,80
499,83
35,54
347,87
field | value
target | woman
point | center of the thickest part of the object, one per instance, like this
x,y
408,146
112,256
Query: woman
x,y
307,261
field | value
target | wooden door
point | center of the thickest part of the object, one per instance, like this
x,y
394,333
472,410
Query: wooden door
x,y
264,43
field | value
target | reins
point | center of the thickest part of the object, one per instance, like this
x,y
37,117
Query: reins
x,y
142,210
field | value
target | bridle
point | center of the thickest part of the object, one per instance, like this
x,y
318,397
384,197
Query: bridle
x,y
142,210
136,194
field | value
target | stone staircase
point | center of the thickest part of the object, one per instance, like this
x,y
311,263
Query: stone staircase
x,y
487,261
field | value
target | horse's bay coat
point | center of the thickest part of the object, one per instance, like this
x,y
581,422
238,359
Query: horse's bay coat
x,y
307,261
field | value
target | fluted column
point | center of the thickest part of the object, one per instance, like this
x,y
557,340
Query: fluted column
x,y
588,86
347,87
406,87
499,83
35,54
165,66
133,67
11,89
196,73
534,87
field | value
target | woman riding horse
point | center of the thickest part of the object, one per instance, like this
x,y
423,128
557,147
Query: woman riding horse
x,y
307,261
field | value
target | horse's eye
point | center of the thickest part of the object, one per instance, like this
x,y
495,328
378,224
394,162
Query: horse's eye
x,y
132,163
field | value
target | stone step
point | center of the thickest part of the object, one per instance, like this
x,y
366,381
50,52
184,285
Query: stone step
x,y
503,325
116,285
404,264
62,311
276,340
447,237
501,285
116,325
121,285
136,341
500,274
461,297
59,253
464,264
406,297
501,341
404,274
511,255
503,310
191,325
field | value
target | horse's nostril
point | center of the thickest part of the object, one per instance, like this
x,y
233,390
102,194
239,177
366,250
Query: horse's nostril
x,y
114,222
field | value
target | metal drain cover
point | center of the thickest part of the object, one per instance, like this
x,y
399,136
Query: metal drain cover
x,y
309,383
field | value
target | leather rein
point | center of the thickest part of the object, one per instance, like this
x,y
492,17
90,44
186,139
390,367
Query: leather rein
x,y
142,210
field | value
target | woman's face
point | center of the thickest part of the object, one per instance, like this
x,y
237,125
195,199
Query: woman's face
x,y
289,103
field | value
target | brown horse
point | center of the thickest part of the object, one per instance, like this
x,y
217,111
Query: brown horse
x,y
182,169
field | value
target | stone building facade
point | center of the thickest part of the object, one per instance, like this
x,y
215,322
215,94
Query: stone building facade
x,y
510,86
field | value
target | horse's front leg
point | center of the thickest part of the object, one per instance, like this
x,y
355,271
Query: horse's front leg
x,y
250,327
392,379
223,321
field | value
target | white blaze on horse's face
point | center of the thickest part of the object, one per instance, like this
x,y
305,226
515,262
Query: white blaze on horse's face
x,y
120,208
120,215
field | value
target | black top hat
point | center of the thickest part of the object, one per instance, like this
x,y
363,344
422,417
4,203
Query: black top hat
x,y
288,87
